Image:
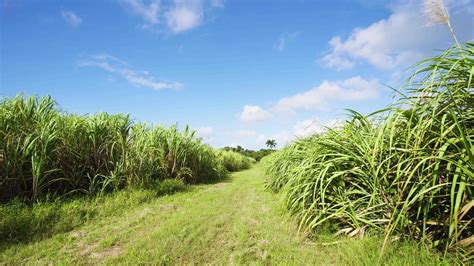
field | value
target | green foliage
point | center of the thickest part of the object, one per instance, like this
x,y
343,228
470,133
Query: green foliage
x,y
271,143
234,161
257,155
44,151
407,169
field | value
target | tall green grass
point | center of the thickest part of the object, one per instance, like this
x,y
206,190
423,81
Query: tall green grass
x,y
407,170
45,151
234,161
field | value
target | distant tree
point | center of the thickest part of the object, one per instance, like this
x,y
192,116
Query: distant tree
x,y
239,149
271,143
257,155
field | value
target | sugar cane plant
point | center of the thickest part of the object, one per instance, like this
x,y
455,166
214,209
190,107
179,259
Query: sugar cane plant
x,y
44,151
407,169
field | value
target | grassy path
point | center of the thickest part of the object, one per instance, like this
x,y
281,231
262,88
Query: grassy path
x,y
232,222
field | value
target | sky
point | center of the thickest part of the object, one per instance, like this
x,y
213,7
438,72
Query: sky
x,y
239,72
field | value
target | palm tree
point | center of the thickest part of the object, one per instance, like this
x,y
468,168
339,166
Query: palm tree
x,y
271,143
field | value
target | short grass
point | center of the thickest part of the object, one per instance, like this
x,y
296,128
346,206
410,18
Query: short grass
x,y
235,221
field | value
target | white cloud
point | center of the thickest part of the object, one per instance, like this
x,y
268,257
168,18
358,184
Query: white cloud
x,y
281,138
149,13
178,15
234,137
254,113
320,97
205,132
184,15
301,129
71,18
120,68
308,127
335,60
400,40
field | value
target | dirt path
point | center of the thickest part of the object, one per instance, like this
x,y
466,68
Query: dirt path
x,y
229,222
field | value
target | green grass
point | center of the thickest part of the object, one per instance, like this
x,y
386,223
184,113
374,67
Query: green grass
x,y
235,221
23,222
234,161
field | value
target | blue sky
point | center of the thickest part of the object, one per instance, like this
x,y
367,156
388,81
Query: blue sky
x,y
238,71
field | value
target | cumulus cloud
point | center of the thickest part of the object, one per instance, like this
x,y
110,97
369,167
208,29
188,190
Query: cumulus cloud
x,y
399,40
184,15
308,127
254,113
320,97
178,15
149,13
205,132
301,129
120,68
71,18
281,138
